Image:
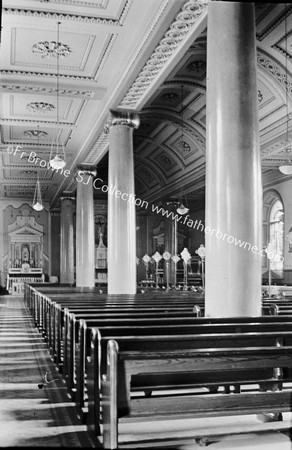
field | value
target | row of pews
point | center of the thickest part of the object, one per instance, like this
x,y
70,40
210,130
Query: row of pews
x,y
270,306
151,357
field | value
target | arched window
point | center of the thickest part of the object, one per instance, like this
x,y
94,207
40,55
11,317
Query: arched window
x,y
276,235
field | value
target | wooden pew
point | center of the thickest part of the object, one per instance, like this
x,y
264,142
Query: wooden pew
x,y
125,323
199,310
278,309
60,320
123,367
146,326
46,303
53,320
78,300
89,360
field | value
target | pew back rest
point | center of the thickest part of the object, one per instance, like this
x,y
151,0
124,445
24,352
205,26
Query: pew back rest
x,y
117,401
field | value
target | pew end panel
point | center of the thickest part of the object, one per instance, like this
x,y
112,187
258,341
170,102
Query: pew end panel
x,y
118,404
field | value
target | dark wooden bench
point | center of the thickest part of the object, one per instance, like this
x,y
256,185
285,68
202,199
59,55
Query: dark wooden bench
x,y
199,310
278,309
60,313
120,406
133,322
146,326
45,305
35,295
92,354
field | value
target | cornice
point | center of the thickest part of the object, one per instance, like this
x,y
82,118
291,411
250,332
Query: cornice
x,y
74,17
99,147
83,3
275,24
41,122
171,40
23,73
105,55
45,90
281,50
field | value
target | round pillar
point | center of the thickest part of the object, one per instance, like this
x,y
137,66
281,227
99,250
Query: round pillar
x,y
85,238
67,239
121,205
233,168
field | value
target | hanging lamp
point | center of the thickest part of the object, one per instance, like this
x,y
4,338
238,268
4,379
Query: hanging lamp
x,y
57,148
37,203
286,168
182,209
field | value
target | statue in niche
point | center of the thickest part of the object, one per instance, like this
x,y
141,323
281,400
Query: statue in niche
x,y
100,249
100,228
25,256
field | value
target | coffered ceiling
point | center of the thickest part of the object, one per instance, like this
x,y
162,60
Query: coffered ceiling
x,y
141,56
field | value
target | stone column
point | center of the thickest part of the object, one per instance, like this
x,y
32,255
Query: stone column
x,y
233,168
67,239
85,237
170,242
121,205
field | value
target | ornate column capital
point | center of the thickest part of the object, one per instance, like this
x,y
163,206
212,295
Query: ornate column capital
x,y
67,196
128,119
86,169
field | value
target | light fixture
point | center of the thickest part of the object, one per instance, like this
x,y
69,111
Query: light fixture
x,y
37,203
286,168
182,209
58,160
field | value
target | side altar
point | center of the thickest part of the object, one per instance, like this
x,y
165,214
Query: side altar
x,y
25,255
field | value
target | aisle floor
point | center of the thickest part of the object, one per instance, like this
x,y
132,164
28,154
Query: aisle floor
x,y
31,416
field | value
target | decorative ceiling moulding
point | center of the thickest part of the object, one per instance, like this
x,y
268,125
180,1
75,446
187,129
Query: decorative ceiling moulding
x,y
275,123
150,169
275,24
99,149
174,37
25,123
46,90
99,5
170,117
280,49
275,71
28,172
50,49
40,107
21,73
35,133
260,96
74,17
176,83
200,44
105,55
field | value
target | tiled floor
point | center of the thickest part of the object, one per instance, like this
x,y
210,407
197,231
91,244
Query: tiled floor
x,y
34,417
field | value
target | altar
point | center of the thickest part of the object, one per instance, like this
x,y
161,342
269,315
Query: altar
x,y
17,277
25,255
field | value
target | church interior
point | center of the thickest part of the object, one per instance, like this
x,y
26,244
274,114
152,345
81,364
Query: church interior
x,y
146,224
